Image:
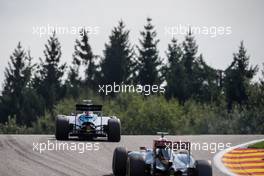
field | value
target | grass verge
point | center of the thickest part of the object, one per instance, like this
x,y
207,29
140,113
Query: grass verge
x,y
259,145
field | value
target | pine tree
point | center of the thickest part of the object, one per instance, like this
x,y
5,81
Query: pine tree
x,y
73,82
48,80
16,89
83,52
190,49
207,83
149,63
189,76
262,78
261,87
237,78
117,64
175,74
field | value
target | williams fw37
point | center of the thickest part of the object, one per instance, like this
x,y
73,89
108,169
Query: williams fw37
x,y
88,123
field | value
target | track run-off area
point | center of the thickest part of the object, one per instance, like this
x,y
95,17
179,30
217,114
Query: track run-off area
x,y
41,155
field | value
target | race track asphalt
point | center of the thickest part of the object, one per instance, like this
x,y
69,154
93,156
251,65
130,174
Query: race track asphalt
x,y
20,154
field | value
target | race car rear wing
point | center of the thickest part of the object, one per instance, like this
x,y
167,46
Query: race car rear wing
x,y
84,107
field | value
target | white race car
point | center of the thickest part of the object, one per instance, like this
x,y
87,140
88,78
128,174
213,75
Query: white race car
x,y
88,123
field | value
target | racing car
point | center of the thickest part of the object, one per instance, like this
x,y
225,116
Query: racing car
x,y
166,158
88,123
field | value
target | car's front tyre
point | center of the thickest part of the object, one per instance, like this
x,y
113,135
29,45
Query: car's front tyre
x,y
203,168
135,166
114,130
119,161
62,128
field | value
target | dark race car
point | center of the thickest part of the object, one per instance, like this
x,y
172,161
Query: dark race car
x,y
166,158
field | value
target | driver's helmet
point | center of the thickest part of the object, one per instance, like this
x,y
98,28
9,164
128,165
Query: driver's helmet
x,y
86,116
163,155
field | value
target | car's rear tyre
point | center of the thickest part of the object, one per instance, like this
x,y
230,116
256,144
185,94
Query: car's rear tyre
x,y
114,130
62,128
119,161
203,168
135,166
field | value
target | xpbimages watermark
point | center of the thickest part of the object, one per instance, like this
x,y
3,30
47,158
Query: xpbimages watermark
x,y
47,30
212,31
211,147
123,88
79,147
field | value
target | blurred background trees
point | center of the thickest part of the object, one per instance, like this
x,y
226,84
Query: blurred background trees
x,y
48,78
148,60
117,64
238,77
199,99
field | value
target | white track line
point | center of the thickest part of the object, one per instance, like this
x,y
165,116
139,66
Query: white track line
x,y
218,157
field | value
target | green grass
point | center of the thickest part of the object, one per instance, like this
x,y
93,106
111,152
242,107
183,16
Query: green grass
x,y
259,145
